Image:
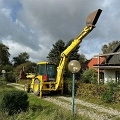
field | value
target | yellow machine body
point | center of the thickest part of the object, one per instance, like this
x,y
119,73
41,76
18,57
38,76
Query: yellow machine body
x,y
43,81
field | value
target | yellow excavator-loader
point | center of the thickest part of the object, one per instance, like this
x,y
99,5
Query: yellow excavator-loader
x,y
48,76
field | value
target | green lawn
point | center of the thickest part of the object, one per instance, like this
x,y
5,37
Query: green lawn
x,y
114,105
39,109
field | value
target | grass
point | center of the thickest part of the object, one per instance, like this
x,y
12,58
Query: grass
x,y
39,109
99,102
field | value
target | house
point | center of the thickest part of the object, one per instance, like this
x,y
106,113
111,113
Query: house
x,y
94,61
110,66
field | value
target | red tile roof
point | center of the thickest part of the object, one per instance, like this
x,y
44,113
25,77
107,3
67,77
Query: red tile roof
x,y
94,61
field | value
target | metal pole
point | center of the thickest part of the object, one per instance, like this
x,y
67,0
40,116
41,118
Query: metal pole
x,y
98,70
73,93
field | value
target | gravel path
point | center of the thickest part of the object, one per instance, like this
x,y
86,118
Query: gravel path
x,y
93,111
94,106
18,86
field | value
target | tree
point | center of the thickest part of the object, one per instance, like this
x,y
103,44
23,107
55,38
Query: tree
x,y
82,58
58,48
29,67
108,48
21,58
74,53
4,55
8,68
54,54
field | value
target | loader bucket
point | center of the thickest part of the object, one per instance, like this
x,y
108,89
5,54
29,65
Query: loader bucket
x,y
93,18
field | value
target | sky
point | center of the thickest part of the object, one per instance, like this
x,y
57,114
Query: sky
x,y
33,26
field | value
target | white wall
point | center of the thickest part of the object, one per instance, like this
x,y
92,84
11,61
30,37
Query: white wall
x,y
109,75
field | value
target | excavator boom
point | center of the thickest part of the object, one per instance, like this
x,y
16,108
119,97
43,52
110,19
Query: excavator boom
x,y
90,25
44,79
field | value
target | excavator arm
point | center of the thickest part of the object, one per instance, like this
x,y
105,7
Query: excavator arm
x,y
90,25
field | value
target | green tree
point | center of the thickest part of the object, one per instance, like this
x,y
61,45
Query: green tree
x,y
82,58
8,68
108,48
21,58
4,54
74,53
29,67
54,54
58,48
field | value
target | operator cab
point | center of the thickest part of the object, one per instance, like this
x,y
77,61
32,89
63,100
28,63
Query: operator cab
x,y
47,71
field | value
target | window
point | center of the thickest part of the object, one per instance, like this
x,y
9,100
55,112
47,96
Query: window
x,y
118,77
41,69
47,69
51,71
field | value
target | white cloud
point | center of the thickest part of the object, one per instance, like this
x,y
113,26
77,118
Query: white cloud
x,y
15,49
106,3
33,26
6,12
20,24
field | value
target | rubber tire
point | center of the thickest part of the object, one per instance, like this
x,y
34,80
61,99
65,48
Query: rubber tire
x,y
36,83
27,88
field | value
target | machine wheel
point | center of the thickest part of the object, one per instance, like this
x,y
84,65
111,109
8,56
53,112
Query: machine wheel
x,y
36,87
27,88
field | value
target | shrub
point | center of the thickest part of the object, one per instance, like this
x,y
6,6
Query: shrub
x,y
10,77
89,76
112,86
107,96
14,102
111,94
90,90
68,86
2,80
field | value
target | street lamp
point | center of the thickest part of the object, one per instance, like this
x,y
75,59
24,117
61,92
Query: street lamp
x,y
3,73
74,67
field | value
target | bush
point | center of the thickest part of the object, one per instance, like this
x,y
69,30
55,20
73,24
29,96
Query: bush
x,y
10,77
14,102
68,86
112,86
111,94
90,90
89,76
2,80
107,96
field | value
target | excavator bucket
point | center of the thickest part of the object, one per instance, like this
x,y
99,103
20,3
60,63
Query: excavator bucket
x,y
93,18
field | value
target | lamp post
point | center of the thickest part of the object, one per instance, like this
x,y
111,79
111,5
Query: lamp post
x,y
74,67
3,73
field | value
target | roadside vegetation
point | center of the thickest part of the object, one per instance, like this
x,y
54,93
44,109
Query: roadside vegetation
x,y
38,109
